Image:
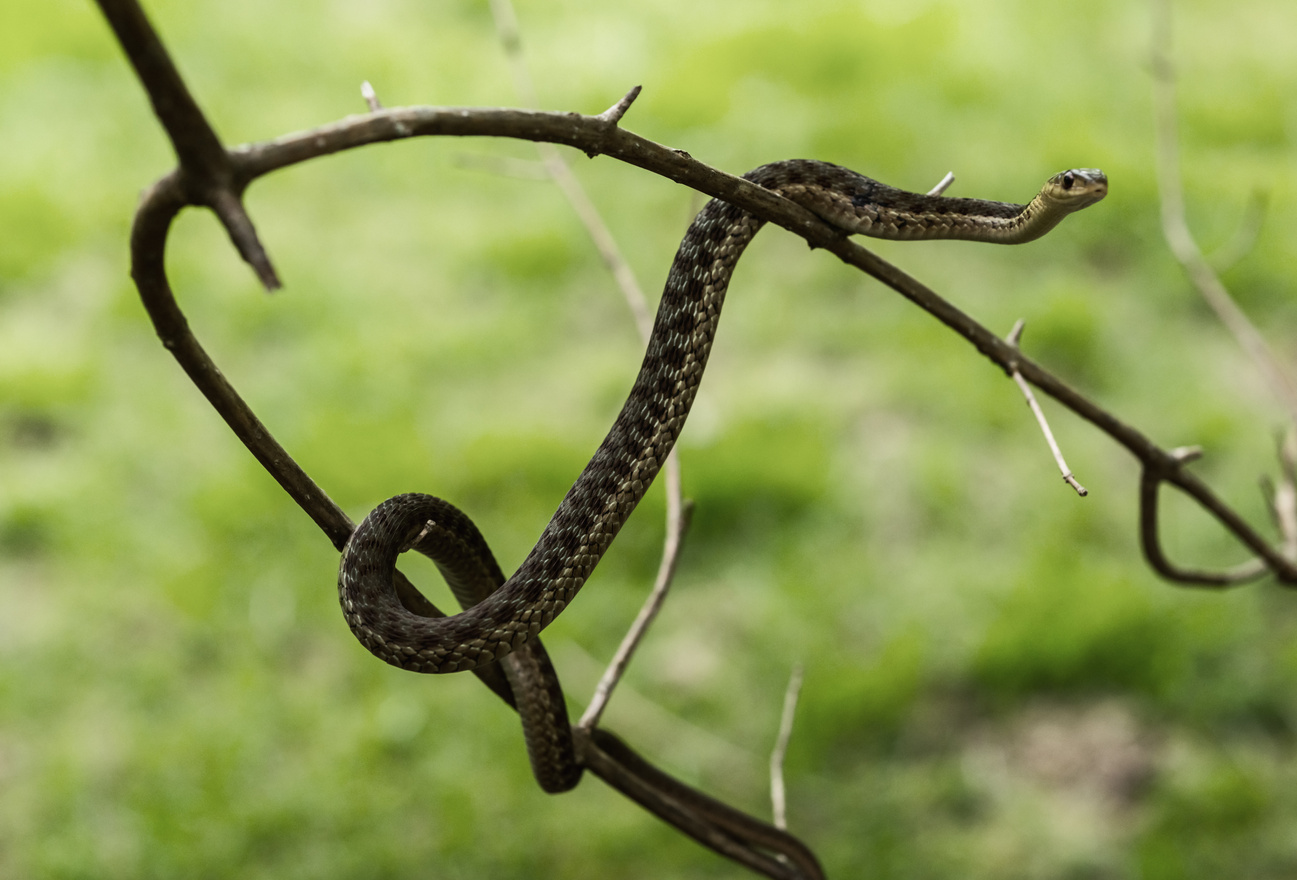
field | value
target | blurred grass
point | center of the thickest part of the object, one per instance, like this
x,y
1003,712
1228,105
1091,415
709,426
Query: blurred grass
x,y
178,693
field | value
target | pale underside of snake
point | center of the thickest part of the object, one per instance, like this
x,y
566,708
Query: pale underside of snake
x,y
502,615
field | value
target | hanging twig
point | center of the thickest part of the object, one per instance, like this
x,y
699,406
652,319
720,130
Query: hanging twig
x,y
1014,338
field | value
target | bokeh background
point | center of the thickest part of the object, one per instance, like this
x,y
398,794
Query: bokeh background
x,y
996,685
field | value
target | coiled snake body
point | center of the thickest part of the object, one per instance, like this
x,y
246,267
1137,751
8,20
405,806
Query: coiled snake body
x,y
502,615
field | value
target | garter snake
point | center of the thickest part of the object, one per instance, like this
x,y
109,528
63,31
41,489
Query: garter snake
x,y
501,615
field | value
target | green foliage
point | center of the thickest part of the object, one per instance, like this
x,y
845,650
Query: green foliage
x,y
179,695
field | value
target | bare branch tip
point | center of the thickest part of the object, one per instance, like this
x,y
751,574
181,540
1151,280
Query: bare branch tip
x,y
614,113
371,97
778,801
229,209
943,185
1015,335
255,256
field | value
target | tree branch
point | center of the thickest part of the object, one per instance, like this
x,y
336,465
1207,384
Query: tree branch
x,y
206,174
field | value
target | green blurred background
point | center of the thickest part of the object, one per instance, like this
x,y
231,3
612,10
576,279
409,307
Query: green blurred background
x,y
996,686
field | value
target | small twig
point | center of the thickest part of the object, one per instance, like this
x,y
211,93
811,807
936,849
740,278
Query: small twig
x,y
943,185
1175,228
1286,496
371,97
778,801
1014,337
678,517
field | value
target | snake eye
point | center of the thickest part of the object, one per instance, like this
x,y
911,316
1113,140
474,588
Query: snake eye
x,y
1068,180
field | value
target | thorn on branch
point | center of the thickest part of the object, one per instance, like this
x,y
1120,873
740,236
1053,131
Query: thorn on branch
x,y
1186,454
234,217
371,97
1014,337
614,113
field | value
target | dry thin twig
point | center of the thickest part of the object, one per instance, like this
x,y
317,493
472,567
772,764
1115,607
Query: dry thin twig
x,y
1149,484
943,184
1015,338
1283,497
778,804
1175,228
506,25
371,97
678,516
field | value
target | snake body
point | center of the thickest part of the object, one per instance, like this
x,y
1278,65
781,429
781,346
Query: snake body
x,y
616,478
501,615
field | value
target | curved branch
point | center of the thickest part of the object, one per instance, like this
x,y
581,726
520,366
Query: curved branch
x,y
1149,483
727,831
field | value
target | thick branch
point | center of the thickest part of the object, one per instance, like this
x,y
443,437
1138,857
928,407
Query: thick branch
x,y
206,173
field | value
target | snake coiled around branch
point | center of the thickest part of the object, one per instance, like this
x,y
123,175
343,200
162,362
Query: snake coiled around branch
x,y
498,621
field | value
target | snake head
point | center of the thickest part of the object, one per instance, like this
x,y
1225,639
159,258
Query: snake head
x,y
1076,188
